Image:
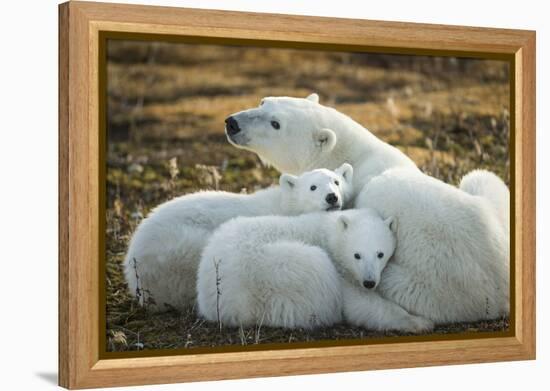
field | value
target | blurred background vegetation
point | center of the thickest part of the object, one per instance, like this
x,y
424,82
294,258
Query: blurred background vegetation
x,y
165,137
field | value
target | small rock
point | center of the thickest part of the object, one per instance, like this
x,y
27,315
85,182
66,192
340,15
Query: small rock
x,y
135,168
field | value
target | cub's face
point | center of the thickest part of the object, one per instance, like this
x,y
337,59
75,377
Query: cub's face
x,y
366,243
317,190
285,132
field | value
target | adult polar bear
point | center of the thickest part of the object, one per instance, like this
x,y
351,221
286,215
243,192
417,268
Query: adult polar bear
x,y
296,135
452,258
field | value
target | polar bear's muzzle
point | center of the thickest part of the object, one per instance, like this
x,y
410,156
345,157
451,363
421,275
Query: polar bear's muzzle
x,y
234,133
369,284
231,126
332,200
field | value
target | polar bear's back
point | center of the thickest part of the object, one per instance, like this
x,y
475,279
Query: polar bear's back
x,y
433,210
264,229
446,239
252,272
487,185
169,224
413,196
206,209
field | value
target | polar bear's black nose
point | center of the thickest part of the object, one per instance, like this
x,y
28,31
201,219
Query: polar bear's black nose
x,y
331,198
232,126
369,284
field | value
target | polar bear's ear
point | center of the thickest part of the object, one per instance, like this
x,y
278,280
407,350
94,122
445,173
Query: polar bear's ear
x,y
343,222
313,98
287,181
346,171
325,139
391,222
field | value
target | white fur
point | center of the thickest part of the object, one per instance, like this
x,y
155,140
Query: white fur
x,y
311,136
452,259
277,271
485,184
167,245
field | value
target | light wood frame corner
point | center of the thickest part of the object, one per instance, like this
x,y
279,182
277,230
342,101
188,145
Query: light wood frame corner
x,y
80,27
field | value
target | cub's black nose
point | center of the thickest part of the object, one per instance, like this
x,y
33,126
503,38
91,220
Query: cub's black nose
x,y
331,198
232,126
369,284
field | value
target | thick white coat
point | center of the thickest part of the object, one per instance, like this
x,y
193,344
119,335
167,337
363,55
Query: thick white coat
x,y
302,271
164,252
486,184
452,258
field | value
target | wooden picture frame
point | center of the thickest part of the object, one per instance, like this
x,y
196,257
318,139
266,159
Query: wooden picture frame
x,y
81,28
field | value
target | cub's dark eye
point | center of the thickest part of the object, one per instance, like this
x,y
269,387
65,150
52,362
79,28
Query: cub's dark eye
x,y
262,102
337,183
380,255
275,124
313,188
357,256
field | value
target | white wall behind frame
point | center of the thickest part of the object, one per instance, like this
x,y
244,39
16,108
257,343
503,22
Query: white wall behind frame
x,y
28,192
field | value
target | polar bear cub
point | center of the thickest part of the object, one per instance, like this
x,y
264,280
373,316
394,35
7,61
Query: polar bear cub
x,y
303,271
164,252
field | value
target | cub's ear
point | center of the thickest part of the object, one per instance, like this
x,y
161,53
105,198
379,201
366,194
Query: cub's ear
x,y
346,171
343,222
391,222
325,139
287,181
313,98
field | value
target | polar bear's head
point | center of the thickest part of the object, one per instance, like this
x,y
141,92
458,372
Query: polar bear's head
x,y
292,134
362,244
317,190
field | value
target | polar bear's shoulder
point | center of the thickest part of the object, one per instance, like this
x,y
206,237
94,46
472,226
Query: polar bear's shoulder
x,y
419,200
242,226
408,182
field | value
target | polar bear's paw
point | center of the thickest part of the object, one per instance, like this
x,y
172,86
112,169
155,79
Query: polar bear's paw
x,y
416,324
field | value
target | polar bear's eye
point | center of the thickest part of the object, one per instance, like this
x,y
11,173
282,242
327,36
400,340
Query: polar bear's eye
x,y
313,187
357,256
262,102
337,183
380,255
275,124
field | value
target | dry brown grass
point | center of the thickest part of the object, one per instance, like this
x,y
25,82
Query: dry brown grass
x,y
169,101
